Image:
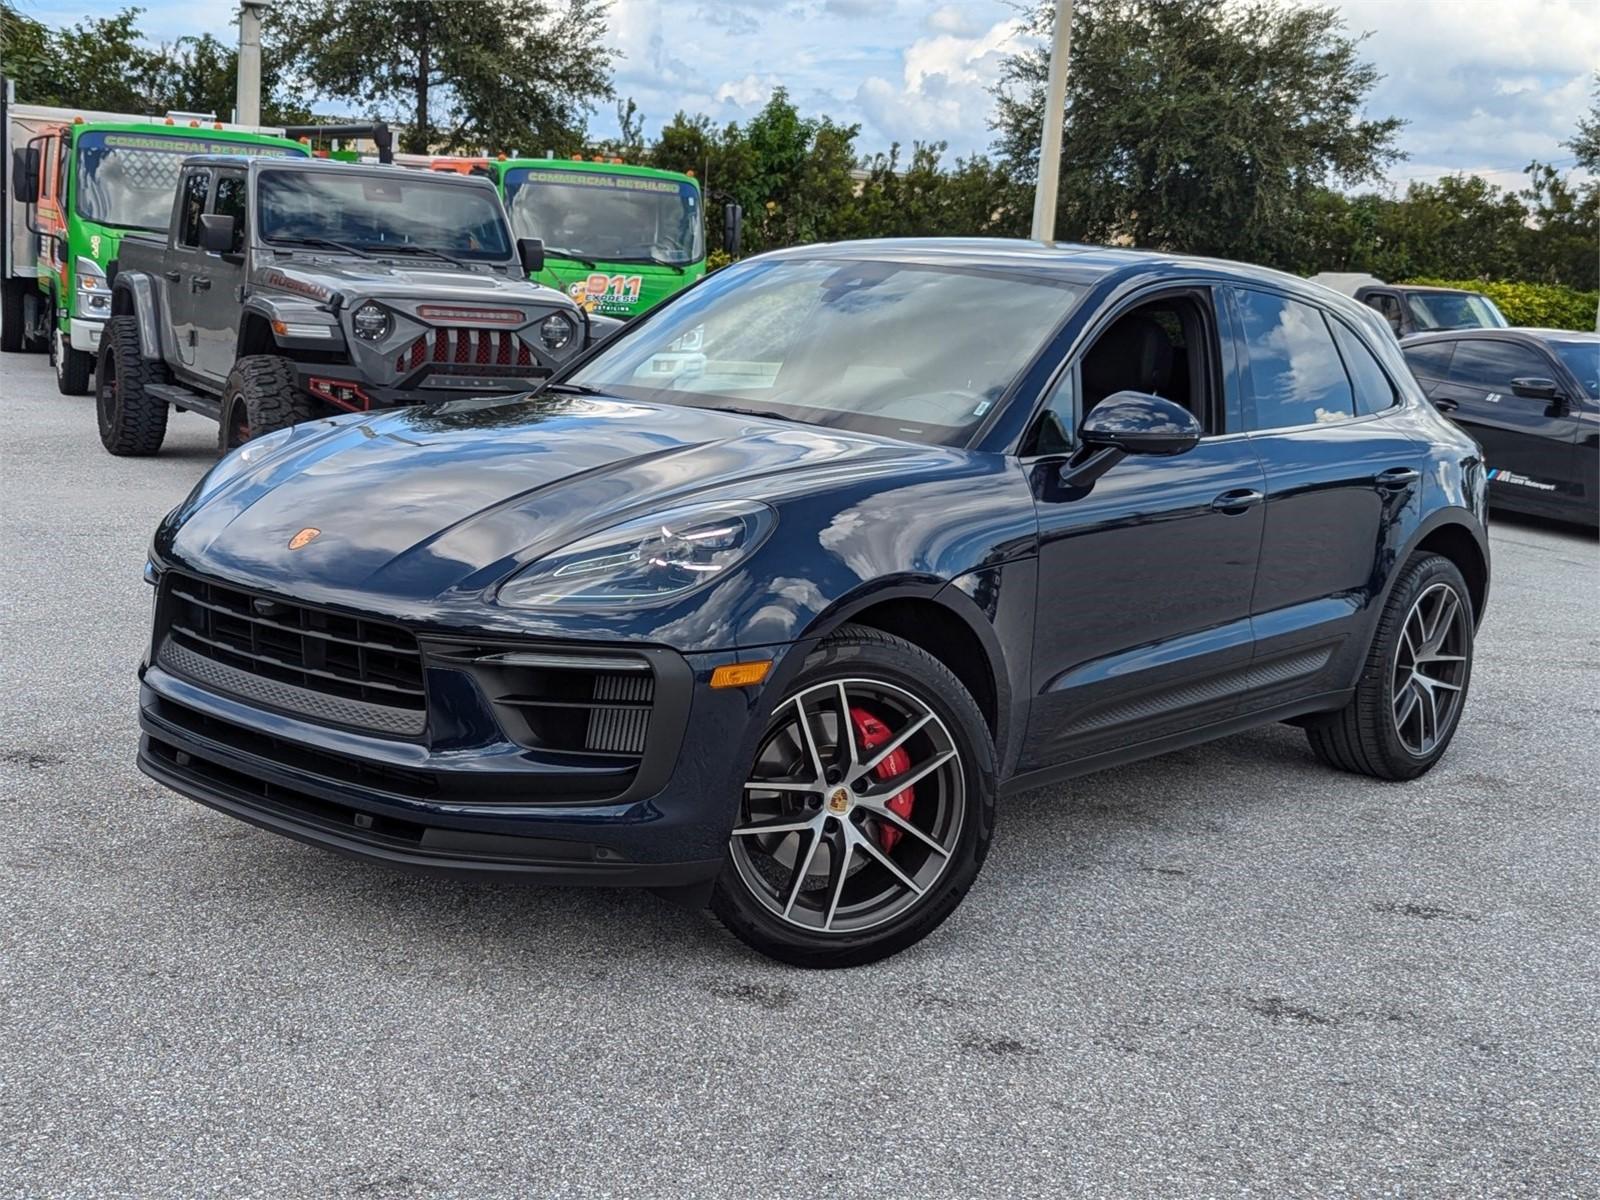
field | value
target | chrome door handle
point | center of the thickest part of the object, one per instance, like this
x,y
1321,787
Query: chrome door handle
x,y
1397,479
1237,501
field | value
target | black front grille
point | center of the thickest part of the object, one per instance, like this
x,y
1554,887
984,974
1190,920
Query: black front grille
x,y
293,656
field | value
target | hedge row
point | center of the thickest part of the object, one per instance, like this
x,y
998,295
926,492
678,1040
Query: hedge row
x,y
1542,305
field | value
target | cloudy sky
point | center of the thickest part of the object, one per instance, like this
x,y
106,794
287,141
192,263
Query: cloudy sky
x,y
1486,84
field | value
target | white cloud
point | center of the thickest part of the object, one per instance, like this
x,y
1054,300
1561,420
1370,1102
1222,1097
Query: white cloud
x,y
952,18
944,91
749,92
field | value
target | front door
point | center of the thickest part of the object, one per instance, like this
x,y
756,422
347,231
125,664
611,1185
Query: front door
x,y
1529,445
185,265
1142,618
217,282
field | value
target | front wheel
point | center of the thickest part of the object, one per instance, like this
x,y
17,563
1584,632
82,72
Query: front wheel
x,y
1408,701
259,397
868,811
132,421
73,367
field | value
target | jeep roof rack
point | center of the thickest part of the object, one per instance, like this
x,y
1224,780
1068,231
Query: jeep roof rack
x,y
378,131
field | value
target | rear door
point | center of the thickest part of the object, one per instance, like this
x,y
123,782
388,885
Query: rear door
x,y
1340,473
1529,445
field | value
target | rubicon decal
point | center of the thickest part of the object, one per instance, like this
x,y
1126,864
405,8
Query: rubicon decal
x,y
1511,477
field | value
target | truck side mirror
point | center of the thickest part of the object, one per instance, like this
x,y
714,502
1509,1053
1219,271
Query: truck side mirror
x,y
732,228
25,174
216,233
531,252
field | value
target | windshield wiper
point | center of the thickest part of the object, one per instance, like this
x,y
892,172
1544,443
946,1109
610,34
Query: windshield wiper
x,y
409,248
557,252
326,243
650,258
754,412
580,389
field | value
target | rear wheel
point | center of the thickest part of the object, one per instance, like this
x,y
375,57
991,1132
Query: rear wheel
x,y
132,421
868,811
260,396
73,367
1408,701
12,314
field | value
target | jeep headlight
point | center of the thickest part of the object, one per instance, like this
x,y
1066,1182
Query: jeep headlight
x,y
93,296
555,331
371,323
647,560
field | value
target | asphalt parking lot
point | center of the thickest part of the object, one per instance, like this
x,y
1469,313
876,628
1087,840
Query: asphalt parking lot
x,y
1224,972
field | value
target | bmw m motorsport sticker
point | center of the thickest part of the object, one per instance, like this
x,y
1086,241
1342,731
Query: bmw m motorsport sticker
x,y
1538,485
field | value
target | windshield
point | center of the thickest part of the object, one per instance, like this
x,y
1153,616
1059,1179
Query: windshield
x,y
606,218
376,211
128,179
1454,310
1583,360
899,349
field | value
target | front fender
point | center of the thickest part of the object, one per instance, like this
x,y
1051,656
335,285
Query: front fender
x,y
289,322
134,295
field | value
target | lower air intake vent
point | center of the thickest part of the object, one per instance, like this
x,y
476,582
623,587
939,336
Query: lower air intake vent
x,y
573,703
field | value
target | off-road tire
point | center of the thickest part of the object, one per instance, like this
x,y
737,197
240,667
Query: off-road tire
x,y
74,368
1361,737
261,388
132,421
857,651
11,316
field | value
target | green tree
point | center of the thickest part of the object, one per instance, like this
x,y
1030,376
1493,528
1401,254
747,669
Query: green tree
x,y
1586,142
1198,125
497,75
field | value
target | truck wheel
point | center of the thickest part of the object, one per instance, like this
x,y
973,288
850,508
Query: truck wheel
x,y
132,422
73,367
260,397
11,315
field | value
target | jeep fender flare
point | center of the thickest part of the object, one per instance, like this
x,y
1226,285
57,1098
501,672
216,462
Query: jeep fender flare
x,y
134,295
258,336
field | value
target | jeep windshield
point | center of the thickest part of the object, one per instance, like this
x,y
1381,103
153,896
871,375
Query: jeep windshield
x,y
905,350
1453,310
607,218
376,212
128,179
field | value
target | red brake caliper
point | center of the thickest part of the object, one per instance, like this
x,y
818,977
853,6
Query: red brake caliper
x,y
870,734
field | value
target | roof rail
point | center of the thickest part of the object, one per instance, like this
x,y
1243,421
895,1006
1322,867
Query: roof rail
x,y
378,131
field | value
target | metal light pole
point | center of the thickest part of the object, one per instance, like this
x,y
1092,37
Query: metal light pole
x,y
247,106
1055,115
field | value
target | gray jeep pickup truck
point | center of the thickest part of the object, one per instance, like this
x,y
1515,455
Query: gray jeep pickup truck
x,y
289,289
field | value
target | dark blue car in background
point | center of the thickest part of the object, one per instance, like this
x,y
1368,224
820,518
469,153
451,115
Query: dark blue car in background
x,y
768,599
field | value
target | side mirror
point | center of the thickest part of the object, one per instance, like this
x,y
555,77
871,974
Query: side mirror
x,y
531,252
1138,423
25,174
732,228
1536,387
216,233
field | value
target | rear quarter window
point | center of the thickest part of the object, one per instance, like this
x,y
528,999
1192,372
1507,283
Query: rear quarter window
x,y
1374,391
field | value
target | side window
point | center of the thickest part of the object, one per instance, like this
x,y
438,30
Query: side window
x,y
1054,432
228,201
192,204
1296,376
1490,366
1374,392
60,191
1430,360
1388,305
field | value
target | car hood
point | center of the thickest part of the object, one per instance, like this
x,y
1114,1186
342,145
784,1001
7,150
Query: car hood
x,y
415,504
418,279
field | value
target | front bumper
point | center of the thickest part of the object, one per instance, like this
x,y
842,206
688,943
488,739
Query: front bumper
x,y
84,334
464,799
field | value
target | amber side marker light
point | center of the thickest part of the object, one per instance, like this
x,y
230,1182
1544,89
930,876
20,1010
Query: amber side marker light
x,y
736,675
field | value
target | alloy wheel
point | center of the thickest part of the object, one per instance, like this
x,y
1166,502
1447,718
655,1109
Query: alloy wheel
x,y
854,808
1429,669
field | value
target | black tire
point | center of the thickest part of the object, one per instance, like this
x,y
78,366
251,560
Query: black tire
x,y
132,421
11,315
1365,736
864,655
73,367
260,397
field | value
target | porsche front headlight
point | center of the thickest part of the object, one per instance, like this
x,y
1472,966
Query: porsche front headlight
x,y
647,560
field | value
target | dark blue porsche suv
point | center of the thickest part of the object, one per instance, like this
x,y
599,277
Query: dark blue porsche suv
x,y
765,601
